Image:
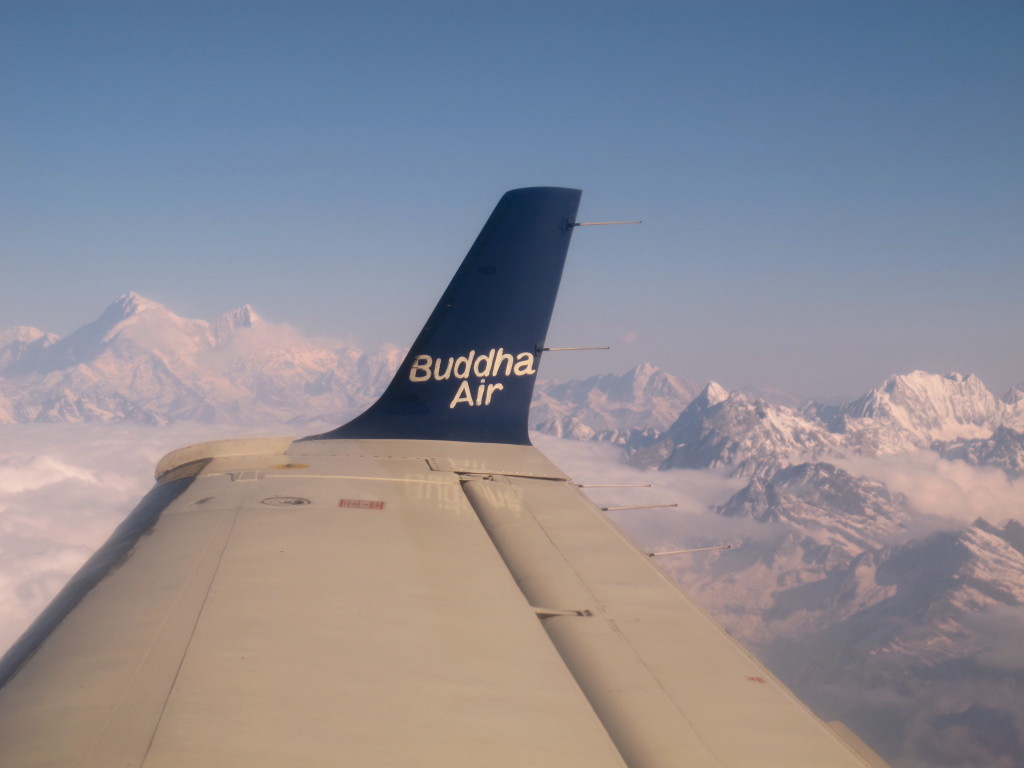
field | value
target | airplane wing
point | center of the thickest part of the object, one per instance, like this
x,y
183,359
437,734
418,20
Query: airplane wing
x,y
420,586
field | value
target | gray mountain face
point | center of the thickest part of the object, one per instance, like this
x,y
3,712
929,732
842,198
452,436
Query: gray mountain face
x,y
800,568
942,647
1004,449
892,629
719,429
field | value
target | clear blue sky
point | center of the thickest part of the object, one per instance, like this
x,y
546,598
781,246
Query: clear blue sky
x,y
832,191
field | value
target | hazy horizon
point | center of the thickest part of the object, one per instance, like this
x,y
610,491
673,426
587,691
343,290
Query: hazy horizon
x,y
831,192
564,366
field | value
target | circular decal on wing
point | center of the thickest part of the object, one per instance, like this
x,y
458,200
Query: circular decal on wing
x,y
285,501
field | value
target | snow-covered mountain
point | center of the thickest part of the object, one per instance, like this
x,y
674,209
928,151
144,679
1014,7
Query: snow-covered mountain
x,y
140,362
916,409
801,567
1003,449
16,343
611,408
748,436
722,429
889,613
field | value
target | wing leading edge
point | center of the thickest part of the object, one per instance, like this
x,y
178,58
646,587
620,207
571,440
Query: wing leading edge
x,y
420,586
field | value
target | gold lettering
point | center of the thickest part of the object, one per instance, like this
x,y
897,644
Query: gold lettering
x,y
437,369
491,389
463,395
485,371
463,365
420,370
524,364
501,356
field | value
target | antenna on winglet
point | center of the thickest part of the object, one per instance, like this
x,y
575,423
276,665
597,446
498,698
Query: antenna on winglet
x,y
638,506
612,485
603,223
566,349
687,551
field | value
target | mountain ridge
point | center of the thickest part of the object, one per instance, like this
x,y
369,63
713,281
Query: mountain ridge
x,y
138,361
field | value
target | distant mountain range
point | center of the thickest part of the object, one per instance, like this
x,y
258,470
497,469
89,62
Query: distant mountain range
x,y
140,362
878,610
956,414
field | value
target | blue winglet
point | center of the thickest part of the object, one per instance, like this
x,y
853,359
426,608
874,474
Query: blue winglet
x,y
470,373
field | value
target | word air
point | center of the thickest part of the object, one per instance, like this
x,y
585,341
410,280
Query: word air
x,y
494,363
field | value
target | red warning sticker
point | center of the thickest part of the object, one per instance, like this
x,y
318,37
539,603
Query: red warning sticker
x,y
361,504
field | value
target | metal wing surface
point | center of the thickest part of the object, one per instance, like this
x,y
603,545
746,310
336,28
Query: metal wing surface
x,y
418,587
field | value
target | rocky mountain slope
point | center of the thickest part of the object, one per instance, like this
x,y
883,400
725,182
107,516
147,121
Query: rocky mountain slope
x,y
1004,449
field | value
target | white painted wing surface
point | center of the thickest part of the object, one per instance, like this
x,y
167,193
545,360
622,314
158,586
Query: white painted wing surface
x,y
375,625
392,603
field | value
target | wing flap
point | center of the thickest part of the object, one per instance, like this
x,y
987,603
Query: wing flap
x,y
670,686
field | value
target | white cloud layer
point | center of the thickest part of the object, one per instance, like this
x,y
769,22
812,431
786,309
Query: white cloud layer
x,y
694,491
954,490
63,489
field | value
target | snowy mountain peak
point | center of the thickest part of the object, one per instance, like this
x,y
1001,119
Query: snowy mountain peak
x,y
750,435
647,381
139,361
1015,395
21,343
24,334
133,322
713,394
940,399
814,494
611,406
130,304
134,317
247,316
225,325
910,411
